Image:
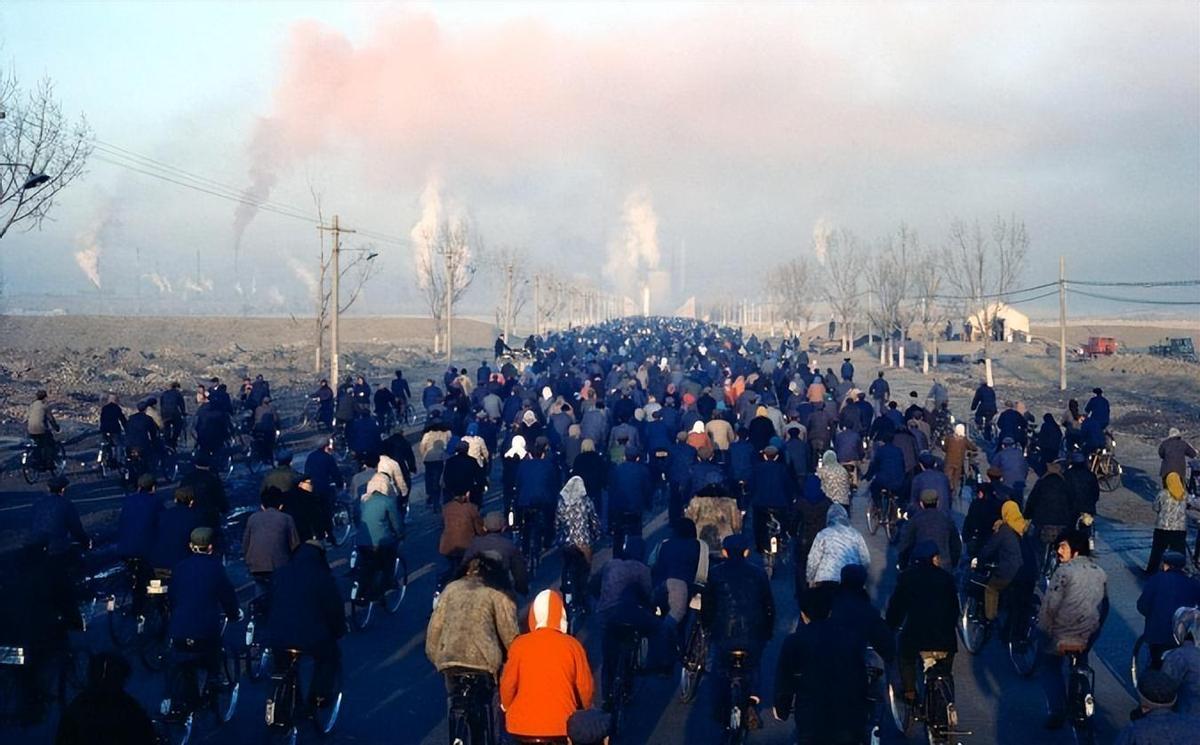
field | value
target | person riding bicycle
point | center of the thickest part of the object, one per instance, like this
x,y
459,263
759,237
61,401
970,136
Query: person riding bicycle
x,y
175,526
473,625
208,491
112,419
738,611
432,452
626,601
463,474
1169,589
270,537
498,547
983,513
537,495
929,523
1157,721
401,393
959,454
40,425
142,436
924,608
264,430
984,406
174,410
1174,452
1072,613
307,614
931,476
630,490
380,532
53,520
547,677
837,545
821,678
679,568
1183,662
715,514
772,494
460,524
212,428
886,471
577,528
1009,549
136,530
325,401
1049,506
200,593
103,713
1083,486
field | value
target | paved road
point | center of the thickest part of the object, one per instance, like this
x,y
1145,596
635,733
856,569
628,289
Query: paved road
x,y
394,695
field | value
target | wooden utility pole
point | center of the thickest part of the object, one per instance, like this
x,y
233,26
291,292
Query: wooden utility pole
x,y
1062,324
335,301
508,269
537,305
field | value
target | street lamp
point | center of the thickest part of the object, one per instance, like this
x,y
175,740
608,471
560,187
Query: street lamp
x,y
35,179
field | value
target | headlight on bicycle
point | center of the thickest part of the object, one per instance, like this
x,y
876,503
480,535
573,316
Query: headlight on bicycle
x,y
1086,519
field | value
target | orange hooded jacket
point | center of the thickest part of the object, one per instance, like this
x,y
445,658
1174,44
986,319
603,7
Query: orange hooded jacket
x,y
547,677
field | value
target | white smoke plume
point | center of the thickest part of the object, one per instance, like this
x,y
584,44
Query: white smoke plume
x,y
635,254
305,275
264,155
91,243
423,232
160,282
274,296
822,230
197,287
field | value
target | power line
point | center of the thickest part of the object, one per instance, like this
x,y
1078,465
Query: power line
x,y
1176,283
1031,299
1133,300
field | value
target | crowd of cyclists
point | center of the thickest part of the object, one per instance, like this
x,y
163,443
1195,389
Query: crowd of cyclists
x,y
586,434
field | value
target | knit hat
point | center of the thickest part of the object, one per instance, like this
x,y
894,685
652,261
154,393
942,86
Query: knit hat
x,y
547,612
929,497
1157,690
1173,432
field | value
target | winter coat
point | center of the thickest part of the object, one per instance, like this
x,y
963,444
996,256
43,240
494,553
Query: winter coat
x,y
461,523
822,678
1003,549
770,484
593,468
835,482
887,467
716,519
1160,727
547,677
1175,452
306,607
1084,490
501,549
211,501
379,521
433,445
322,468
1183,665
537,483
931,478
931,524
741,460
462,474
1011,462
836,546
737,607
924,607
269,540
629,488
472,627
175,526
720,432
623,581
1050,502
1163,594
1172,512
703,473
576,520
852,609
956,453
199,592
984,402
1073,605
138,524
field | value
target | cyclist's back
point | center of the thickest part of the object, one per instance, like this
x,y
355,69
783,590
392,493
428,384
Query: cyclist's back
x,y
103,713
138,523
200,592
474,623
112,419
307,613
55,521
924,607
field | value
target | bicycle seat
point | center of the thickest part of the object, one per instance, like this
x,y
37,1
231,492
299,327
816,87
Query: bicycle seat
x,y
737,658
12,655
1071,648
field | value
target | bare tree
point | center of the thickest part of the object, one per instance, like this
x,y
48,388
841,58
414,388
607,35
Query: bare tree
x,y
353,274
842,261
984,269
928,277
446,270
41,152
512,276
888,274
789,293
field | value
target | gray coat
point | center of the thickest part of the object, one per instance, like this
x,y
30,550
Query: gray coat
x,y
269,540
1183,664
1160,727
1071,610
932,524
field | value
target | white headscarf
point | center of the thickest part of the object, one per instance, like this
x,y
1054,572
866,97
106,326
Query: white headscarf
x,y
516,447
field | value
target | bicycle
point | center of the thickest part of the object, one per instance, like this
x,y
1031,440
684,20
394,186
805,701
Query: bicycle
x,y
885,515
109,455
973,626
376,581
529,538
257,654
934,703
288,703
695,652
33,464
471,720
775,538
124,605
737,726
153,644
193,689
573,585
629,660
261,451
386,419
343,519
1081,698
1104,465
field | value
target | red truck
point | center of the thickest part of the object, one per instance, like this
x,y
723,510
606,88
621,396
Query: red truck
x,y
1098,345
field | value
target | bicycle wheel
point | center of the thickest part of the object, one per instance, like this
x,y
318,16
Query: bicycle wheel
x,y
1110,476
225,695
902,711
1139,660
360,610
972,627
460,729
872,519
769,564
28,471
343,523
153,637
1023,652
393,597
938,708
59,466
693,663
122,622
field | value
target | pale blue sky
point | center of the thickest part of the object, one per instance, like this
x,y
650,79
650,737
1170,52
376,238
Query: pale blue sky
x,y
742,124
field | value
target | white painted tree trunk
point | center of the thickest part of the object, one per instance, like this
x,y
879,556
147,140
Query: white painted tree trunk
x,y
882,353
987,370
924,361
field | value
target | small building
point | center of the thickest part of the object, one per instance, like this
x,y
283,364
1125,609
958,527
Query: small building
x,y
1008,324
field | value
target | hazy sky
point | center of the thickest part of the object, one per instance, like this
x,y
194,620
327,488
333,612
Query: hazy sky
x,y
598,135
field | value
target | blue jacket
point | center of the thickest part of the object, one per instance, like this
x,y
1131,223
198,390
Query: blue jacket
x,y
431,396
306,607
174,531
1097,408
537,483
362,435
322,468
1164,593
199,592
679,463
770,485
629,488
138,524
657,437
847,371
984,402
702,474
887,467
741,460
